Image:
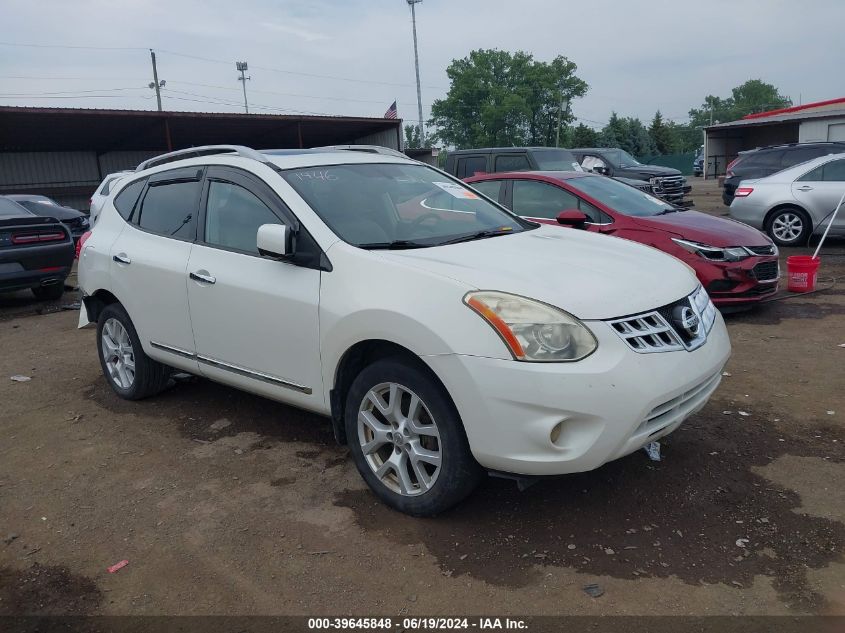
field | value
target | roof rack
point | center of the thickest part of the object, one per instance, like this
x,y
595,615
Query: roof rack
x,y
369,149
202,150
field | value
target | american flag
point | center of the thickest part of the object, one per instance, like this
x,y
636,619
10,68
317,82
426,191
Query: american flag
x,y
391,112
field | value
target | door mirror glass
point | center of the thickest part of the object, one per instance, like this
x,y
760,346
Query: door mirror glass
x,y
572,217
273,240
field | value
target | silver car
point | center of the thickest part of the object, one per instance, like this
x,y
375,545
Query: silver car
x,y
794,203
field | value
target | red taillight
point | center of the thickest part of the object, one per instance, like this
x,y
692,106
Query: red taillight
x,y
743,192
82,239
50,269
31,238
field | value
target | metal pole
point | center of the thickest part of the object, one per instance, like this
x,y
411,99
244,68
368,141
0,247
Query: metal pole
x,y
417,68
155,79
242,66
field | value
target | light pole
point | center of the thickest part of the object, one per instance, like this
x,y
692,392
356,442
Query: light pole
x,y
242,66
155,84
411,3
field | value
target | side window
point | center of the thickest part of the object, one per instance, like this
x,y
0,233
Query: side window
x,y
512,162
834,171
471,165
106,185
170,208
233,215
766,160
814,175
800,155
489,188
541,200
125,201
594,215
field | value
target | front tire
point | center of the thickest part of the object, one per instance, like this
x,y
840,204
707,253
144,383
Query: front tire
x,y
407,439
789,226
129,371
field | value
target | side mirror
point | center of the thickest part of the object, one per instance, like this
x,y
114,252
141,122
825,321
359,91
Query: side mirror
x,y
273,240
572,217
599,169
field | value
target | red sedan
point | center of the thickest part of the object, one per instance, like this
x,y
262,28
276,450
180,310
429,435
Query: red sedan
x,y
737,264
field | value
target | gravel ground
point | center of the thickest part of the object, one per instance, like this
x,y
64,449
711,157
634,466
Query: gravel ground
x,y
223,502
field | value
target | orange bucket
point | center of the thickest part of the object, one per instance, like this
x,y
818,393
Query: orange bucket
x,y
801,273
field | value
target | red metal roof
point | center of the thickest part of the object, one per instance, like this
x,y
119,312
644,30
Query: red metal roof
x,y
794,109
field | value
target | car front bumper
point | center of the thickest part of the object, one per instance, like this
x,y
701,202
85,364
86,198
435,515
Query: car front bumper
x,y
737,283
558,418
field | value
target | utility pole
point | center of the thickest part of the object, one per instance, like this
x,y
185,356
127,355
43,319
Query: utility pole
x,y
411,3
564,105
156,84
242,66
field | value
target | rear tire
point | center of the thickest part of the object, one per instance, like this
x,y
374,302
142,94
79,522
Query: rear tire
x,y
129,371
789,226
51,292
407,439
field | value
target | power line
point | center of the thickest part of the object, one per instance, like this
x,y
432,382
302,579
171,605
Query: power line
x,y
90,48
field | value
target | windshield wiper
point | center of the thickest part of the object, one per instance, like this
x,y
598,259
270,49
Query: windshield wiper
x,y
669,210
479,235
395,245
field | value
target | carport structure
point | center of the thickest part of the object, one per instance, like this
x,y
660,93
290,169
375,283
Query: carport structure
x,y
64,153
811,122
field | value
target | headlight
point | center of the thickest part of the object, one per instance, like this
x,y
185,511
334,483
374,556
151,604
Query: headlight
x,y
531,330
84,222
714,253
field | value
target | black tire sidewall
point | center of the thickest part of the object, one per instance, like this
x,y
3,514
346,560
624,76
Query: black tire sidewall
x,y
50,293
116,311
805,233
459,472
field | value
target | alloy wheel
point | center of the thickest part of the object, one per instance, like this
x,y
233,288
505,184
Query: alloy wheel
x,y
118,353
399,439
787,227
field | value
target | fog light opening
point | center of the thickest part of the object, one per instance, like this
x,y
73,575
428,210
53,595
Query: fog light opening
x,y
554,436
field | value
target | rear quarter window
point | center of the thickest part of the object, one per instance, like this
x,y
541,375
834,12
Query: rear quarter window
x,y
125,201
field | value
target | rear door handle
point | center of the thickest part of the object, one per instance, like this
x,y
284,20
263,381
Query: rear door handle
x,y
206,279
805,188
122,259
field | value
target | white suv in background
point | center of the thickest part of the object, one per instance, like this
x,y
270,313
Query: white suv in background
x,y
99,197
443,335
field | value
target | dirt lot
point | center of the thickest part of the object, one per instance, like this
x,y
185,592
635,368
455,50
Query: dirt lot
x,y
224,502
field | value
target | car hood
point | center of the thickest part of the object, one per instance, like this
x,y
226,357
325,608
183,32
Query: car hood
x,y
700,227
647,171
590,276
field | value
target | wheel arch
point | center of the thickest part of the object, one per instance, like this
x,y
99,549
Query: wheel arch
x,y
354,360
786,205
96,302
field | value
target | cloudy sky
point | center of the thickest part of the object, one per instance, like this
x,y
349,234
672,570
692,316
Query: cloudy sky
x,y
355,57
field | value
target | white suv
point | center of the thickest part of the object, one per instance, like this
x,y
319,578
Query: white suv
x,y
99,197
444,336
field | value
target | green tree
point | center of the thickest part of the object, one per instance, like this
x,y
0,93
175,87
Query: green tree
x,y
583,136
755,95
412,136
498,98
663,135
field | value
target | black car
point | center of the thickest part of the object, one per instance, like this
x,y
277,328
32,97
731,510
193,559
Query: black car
x,y
666,183
74,220
35,252
464,163
765,161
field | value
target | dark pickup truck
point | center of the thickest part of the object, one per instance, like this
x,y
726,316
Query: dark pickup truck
x,y
666,183
464,163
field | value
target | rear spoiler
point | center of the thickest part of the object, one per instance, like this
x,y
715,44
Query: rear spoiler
x,y
26,220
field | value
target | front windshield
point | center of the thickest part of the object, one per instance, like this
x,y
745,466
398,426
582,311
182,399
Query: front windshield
x,y
620,197
621,158
556,160
376,205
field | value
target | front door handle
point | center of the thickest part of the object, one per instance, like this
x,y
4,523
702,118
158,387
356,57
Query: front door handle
x,y
122,259
805,188
206,279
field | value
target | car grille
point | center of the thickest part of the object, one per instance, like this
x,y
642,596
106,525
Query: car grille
x,y
668,184
678,407
660,331
766,271
762,250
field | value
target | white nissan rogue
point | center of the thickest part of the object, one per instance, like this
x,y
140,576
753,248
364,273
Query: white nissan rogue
x,y
444,336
